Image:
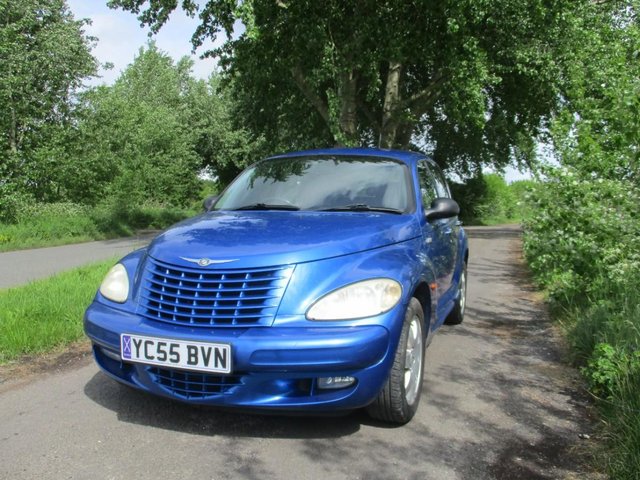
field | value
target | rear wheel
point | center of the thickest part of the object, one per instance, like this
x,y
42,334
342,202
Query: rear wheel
x,y
457,314
398,401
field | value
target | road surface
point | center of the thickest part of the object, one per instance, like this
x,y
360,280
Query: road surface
x,y
498,404
22,266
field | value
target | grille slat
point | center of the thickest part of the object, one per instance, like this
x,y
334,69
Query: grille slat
x,y
190,385
186,303
199,291
220,271
187,296
192,278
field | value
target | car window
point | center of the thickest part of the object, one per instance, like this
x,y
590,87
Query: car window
x,y
440,183
428,189
316,183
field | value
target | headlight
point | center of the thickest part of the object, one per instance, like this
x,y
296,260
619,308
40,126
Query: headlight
x,y
358,300
115,285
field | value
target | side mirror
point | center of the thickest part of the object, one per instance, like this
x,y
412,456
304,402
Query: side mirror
x,y
209,201
442,208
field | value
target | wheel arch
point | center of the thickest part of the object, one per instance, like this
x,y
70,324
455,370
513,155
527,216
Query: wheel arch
x,y
422,293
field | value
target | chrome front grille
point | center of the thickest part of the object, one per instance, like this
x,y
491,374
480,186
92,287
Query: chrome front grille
x,y
202,296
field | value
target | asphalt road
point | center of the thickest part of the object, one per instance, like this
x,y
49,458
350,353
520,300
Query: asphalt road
x,y
498,403
23,266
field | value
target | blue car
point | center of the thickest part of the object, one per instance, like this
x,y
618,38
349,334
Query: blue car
x,y
313,283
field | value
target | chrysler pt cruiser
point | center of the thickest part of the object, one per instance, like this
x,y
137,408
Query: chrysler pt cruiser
x,y
313,283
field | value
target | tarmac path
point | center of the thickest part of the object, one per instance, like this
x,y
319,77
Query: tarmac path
x,y
22,266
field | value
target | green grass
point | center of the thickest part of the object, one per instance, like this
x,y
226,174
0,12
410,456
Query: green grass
x,y
47,314
605,337
60,224
603,330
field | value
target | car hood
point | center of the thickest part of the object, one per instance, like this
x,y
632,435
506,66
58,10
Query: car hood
x,y
268,238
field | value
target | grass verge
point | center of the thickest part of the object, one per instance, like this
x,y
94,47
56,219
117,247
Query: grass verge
x,y
605,335
47,314
63,223
603,331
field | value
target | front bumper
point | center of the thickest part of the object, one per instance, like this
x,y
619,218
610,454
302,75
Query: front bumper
x,y
273,367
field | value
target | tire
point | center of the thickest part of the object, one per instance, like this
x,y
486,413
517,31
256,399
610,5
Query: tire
x,y
398,401
457,314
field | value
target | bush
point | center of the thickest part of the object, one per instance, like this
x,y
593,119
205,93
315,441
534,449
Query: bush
x,y
585,235
583,246
487,199
119,219
60,223
11,204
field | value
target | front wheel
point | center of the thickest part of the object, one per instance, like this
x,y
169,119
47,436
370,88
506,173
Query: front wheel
x,y
398,401
457,314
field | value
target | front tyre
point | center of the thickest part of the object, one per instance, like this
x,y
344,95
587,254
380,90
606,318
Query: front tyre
x,y
457,314
398,401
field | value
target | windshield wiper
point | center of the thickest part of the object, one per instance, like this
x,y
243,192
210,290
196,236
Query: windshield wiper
x,y
268,206
361,207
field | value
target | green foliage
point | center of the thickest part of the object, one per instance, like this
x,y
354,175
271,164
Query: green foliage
x,y
583,243
585,235
44,56
486,199
223,141
47,224
122,220
47,314
608,367
145,139
138,145
472,79
142,141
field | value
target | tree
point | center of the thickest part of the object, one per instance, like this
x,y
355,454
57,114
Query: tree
x,y
134,139
147,137
584,239
597,131
223,141
473,80
44,56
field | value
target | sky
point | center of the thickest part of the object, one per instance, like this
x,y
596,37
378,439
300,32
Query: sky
x,y
120,37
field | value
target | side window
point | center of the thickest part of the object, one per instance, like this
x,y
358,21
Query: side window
x,y
441,184
427,185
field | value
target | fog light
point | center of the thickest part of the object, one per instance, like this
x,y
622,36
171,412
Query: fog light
x,y
335,382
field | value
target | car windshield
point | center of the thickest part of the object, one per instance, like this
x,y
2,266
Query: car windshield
x,y
321,183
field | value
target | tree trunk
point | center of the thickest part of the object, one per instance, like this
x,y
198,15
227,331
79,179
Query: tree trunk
x,y
13,133
348,120
391,97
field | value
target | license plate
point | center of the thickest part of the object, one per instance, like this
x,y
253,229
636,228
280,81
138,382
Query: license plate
x,y
199,356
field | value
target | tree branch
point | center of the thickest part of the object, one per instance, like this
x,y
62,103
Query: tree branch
x,y
427,92
313,97
347,91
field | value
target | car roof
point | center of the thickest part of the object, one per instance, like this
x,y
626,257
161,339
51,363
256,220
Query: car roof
x,y
403,156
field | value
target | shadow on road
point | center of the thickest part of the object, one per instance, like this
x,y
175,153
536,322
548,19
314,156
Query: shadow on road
x,y
525,401
139,408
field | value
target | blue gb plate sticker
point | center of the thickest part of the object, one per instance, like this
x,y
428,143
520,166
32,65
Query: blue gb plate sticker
x,y
126,346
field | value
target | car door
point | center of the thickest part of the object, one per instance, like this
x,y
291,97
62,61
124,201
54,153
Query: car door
x,y
450,226
440,236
